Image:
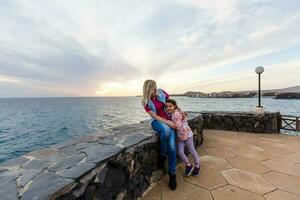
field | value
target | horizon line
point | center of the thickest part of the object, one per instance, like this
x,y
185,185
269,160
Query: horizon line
x,y
134,95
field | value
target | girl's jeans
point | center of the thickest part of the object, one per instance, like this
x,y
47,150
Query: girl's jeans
x,y
189,143
167,137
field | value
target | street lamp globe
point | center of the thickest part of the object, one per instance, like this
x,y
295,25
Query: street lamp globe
x,y
259,69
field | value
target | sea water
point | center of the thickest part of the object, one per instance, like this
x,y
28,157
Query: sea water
x,y
28,124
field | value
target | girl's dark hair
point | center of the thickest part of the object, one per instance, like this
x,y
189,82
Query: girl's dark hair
x,y
172,101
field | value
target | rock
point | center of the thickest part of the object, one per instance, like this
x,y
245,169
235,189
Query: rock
x,y
67,163
36,164
76,171
243,121
46,185
8,188
156,176
15,162
101,176
100,152
121,195
27,175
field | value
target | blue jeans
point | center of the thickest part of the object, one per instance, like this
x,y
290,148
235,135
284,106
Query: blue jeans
x,y
167,137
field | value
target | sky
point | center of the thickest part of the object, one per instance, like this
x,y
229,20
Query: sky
x,y
109,48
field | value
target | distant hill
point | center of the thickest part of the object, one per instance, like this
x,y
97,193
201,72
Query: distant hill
x,y
240,94
290,89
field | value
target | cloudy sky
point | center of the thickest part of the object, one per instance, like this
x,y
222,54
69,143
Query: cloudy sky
x,y
108,48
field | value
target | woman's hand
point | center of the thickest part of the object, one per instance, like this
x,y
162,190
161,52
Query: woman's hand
x,y
170,123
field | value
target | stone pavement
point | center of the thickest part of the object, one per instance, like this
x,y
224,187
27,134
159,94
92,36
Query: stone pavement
x,y
239,166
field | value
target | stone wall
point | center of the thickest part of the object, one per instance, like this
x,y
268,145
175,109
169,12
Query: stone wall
x,y
243,121
119,165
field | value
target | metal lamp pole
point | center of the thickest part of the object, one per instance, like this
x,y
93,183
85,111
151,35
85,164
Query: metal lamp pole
x,y
259,70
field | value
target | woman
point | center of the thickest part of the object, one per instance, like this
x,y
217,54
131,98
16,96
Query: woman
x,y
154,103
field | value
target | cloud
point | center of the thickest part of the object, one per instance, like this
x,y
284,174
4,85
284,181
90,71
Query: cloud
x,y
103,47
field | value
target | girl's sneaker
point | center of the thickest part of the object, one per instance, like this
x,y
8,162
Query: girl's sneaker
x,y
188,170
196,171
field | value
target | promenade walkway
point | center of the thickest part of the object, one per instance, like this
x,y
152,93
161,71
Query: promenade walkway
x,y
239,166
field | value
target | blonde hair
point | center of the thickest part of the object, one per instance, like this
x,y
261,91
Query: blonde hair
x,y
148,85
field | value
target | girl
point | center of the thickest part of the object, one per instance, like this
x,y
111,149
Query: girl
x,y
153,101
185,138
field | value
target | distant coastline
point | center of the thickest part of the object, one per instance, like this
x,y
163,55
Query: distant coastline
x,y
285,93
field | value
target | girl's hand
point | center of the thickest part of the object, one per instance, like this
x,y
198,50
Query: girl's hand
x,y
184,115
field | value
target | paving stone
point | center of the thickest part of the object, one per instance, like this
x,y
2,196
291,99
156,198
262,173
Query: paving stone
x,y
248,181
259,156
111,139
185,191
179,177
281,195
282,167
234,193
53,158
100,152
68,151
270,140
219,152
11,173
284,182
83,145
248,164
15,162
36,164
89,138
67,163
294,146
201,151
214,162
8,188
217,144
280,158
278,150
251,150
45,185
63,145
154,193
295,156
8,178
125,140
208,179
252,147
231,140
76,171
2,170
47,155
134,139
27,175
43,153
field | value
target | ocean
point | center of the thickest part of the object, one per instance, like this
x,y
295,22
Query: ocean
x,y
28,124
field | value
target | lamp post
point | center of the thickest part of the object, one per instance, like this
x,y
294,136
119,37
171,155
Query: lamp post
x,y
259,70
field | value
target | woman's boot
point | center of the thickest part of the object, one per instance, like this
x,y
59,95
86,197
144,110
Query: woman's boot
x,y
172,183
161,161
